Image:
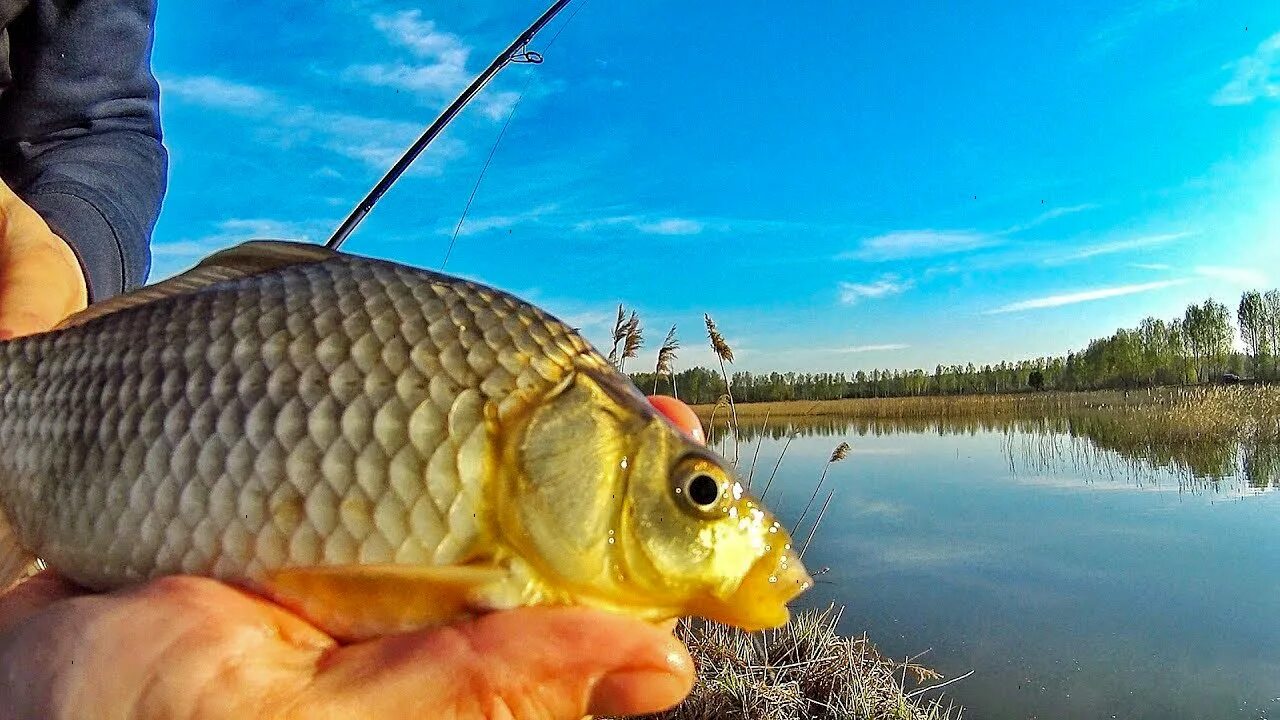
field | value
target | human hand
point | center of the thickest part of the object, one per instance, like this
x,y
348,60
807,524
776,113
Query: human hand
x,y
40,278
188,648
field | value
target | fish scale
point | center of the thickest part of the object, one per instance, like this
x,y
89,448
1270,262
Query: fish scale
x,y
161,431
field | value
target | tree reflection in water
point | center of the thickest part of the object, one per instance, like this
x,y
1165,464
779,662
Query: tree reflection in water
x,y
1123,445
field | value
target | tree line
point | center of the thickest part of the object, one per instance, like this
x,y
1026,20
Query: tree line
x,y
1195,348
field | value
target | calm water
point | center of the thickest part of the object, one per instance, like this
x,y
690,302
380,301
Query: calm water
x,y
1076,581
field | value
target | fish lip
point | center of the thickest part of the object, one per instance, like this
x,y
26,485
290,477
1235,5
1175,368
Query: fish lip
x,y
760,601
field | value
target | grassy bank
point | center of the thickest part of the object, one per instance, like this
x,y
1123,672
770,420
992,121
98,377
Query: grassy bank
x,y
802,670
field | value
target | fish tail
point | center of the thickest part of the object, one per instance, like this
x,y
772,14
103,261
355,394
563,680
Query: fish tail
x,y
16,562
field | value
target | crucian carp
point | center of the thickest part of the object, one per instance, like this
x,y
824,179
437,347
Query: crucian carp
x,y
378,447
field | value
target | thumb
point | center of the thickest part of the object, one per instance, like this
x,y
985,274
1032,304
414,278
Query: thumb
x,y
524,663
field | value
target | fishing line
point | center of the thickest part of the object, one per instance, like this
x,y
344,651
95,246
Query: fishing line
x,y
526,57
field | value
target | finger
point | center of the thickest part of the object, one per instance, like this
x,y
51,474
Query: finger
x,y
40,284
525,663
41,281
32,595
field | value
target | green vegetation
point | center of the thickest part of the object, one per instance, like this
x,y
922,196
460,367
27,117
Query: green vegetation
x,y
803,670
1195,348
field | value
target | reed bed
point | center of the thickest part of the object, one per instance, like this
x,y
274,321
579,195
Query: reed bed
x,y
805,669
1198,410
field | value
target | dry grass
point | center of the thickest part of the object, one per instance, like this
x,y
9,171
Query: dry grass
x,y
1194,410
803,670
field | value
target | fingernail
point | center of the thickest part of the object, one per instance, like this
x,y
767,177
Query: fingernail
x,y
637,692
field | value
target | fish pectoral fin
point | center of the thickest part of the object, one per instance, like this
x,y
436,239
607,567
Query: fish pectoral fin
x,y
358,602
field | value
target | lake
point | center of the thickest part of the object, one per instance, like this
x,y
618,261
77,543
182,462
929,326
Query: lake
x,y
1077,573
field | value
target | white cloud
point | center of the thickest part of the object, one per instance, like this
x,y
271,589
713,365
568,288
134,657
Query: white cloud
x,y
1082,296
439,68
915,244
888,284
433,80
1150,266
1257,76
477,225
210,91
170,258
867,348
1243,277
496,106
408,29
375,141
1126,22
262,229
185,249
1052,214
1118,246
671,226
648,226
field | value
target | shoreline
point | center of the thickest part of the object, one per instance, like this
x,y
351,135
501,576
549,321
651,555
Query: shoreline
x,y
946,405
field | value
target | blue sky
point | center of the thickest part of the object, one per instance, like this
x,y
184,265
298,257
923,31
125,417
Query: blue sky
x,y
841,185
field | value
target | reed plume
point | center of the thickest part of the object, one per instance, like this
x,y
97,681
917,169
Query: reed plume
x,y
725,354
619,334
666,354
633,340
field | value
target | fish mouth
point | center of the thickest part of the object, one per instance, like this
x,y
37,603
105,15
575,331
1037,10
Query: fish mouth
x,y
760,601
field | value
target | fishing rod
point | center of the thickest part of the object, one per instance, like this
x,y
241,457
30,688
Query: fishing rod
x,y
515,52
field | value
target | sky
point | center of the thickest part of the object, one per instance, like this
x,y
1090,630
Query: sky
x,y
842,186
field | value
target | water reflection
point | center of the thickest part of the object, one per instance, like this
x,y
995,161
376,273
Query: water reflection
x,y
1117,444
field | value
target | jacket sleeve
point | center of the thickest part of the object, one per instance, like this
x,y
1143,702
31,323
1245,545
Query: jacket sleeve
x,y
80,133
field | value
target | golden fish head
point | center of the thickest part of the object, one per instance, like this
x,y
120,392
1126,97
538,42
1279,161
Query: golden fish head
x,y
696,534
621,509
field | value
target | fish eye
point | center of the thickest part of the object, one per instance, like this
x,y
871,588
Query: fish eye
x,y
703,490
699,485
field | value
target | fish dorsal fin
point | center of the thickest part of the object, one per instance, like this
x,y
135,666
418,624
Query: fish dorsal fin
x,y
251,258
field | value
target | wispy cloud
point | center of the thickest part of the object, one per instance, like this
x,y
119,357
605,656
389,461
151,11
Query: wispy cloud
x,y
169,258
1124,23
671,226
408,29
217,92
438,69
372,140
477,225
1243,277
1051,301
1150,266
1050,215
1257,76
1119,246
888,284
442,66
909,244
884,347
648,226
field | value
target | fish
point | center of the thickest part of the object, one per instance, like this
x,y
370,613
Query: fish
x,y
378,447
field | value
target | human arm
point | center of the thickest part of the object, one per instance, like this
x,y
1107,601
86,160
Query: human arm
x,y
80,138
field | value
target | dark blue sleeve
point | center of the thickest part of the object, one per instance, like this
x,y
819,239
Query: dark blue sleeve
x,y
80,131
